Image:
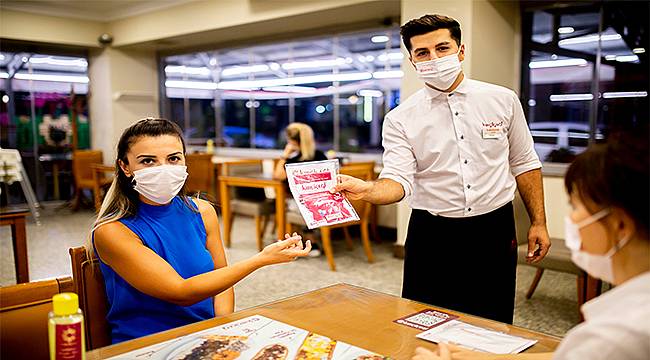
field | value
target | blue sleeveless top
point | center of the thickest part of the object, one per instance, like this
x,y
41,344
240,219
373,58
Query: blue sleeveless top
x,y
176,234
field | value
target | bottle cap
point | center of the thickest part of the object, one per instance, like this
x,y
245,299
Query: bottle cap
x,y
65,303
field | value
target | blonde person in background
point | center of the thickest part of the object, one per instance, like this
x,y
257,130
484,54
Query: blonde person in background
x,y
300,147
608,235
160,251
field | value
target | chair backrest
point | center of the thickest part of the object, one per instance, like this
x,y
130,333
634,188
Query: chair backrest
x,y
244,167
89,285
23,317
201,173
364,171
81,170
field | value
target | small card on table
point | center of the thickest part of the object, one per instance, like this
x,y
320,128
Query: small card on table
x,y
425,319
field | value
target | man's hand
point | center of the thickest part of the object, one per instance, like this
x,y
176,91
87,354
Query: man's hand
x,y
538,243
352,188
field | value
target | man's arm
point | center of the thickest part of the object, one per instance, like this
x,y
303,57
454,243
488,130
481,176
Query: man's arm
x,y
380,192
531,190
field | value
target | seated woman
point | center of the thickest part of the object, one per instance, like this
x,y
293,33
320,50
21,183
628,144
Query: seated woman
x,y
300,147
161,254
608,235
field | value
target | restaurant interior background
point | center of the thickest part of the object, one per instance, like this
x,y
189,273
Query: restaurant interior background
x,y
237,72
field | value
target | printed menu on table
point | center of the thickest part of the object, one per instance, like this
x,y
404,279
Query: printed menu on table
x,y
255,337
310,184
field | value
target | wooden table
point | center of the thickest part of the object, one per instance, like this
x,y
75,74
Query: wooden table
x,y
351,314
99,180
15,217
252,181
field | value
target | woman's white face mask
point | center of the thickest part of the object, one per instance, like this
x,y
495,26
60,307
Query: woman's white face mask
x,y
439,73
160,183
599,266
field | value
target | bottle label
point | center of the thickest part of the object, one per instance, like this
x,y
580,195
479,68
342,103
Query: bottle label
x,y
68,342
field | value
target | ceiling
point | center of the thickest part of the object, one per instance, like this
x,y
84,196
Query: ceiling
x,y
97,10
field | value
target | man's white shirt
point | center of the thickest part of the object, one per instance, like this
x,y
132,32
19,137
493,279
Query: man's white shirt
x,y
457,154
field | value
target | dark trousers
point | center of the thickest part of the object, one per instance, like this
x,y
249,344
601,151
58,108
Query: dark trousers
x,y
463,264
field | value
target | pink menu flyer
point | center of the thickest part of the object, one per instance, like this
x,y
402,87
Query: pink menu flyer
x,y
310,184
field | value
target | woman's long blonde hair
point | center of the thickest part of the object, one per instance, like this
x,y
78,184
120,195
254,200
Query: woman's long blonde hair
x,y
121,199
304,136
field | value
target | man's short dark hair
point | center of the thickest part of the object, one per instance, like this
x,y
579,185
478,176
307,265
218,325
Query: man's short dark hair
x,y
427,24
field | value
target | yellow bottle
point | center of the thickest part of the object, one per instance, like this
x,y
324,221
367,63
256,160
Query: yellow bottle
x,y
66,328
209,146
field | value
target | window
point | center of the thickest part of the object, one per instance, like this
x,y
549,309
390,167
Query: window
x,y
341,86
43,103
584,74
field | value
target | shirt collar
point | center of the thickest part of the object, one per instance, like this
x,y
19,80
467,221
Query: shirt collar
x,y
613,298
462,88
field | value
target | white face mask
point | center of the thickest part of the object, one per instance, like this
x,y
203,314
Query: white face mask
x,y
599,266
160,183
439,73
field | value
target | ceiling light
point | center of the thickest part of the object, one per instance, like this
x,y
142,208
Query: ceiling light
x,y
249,84
4,75
571,97
313,64
556,63
291,89
610,57
624,94
60,62
627,58
172,69
565,30
391,56
371,93
389,74
56,78
588,39
638,50
239,70
199,85
379,39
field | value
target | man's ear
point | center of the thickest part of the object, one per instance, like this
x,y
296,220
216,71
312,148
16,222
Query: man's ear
x,y
124,168
624,224
461,52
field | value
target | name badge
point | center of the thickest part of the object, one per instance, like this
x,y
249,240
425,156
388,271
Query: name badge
x,y
492,130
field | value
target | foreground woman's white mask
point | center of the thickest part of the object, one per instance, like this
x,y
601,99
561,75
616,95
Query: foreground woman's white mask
x,y
160,183
599,266
439,73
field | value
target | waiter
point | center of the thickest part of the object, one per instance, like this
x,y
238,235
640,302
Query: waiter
x,y
459,148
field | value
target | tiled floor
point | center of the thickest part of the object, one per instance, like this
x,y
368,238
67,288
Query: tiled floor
x,y
552,309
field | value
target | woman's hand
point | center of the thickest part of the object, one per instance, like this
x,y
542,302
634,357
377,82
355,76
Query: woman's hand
x,y
285,250
290,149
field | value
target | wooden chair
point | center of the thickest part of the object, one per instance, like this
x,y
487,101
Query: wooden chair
x,y
23,317
557,259
83,173
249,201
361,170
89,285
101,182
201,174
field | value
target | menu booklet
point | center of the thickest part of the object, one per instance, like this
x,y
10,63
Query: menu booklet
x,y
476,338
255,337
310,184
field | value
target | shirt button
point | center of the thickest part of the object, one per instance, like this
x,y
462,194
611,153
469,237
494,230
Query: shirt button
x,y
469,209
465,161
469,186
450,95
462,137
456,113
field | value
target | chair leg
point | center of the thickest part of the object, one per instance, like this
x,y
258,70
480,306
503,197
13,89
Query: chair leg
x,y
533,285
326,240
582,288
259,233
265,223
231,221
348,238
365,239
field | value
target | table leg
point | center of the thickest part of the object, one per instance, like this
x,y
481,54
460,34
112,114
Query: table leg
x,y
55,177
279,210
19,238
225,212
